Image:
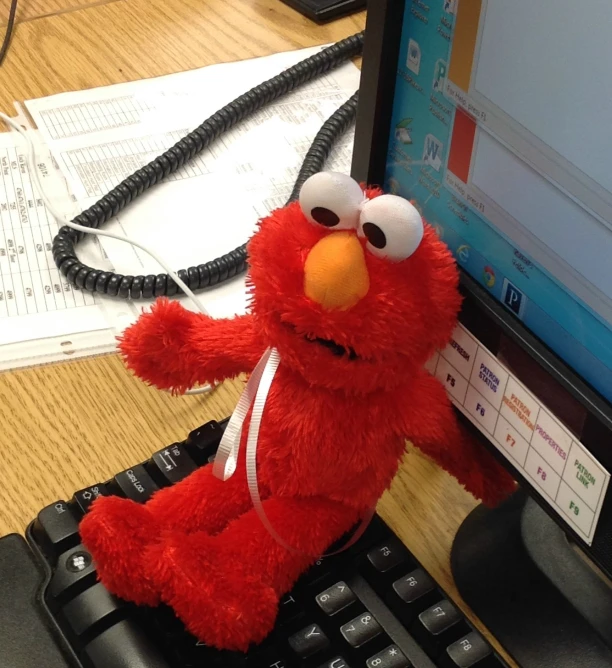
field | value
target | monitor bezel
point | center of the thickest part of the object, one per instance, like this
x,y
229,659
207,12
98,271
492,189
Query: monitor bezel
x,y
372,134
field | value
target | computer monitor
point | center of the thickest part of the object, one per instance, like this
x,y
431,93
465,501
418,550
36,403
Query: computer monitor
x,y
494,117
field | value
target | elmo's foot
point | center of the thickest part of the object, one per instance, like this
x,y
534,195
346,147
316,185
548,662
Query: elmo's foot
x,y
210,592
117,531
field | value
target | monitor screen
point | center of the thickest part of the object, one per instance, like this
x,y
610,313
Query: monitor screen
x,y
501,134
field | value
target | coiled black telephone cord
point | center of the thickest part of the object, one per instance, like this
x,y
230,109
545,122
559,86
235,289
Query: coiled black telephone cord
x,y
233,263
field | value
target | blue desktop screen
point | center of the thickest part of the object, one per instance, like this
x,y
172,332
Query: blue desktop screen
x,y
501,134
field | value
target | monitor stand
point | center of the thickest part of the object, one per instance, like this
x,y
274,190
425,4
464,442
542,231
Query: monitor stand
x,y
546,604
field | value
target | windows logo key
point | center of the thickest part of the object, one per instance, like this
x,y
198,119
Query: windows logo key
x,y
513,298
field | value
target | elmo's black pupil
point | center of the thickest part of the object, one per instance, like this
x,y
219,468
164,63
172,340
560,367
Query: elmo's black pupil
x,y
375,235
324,216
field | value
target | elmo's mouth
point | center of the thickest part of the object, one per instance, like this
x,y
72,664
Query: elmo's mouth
x,y
335,348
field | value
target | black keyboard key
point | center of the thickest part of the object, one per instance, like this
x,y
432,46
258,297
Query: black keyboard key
x,y
413,586
172,464
75,571
204,441
361,630
391,657
440,617
85,497
134,483
335,598
289,609
308,641
336,662
439,626
124,645
322,11
91,608
56,529
469,651
388,555
270,656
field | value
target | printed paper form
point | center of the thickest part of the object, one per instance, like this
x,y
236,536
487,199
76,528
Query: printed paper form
x,y
35,300
211,206
195,95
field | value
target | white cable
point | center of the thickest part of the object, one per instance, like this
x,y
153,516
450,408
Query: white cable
x,y
31,155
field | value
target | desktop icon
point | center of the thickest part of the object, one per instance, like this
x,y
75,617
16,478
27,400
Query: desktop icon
x,y
450,6
513,298
432,152
413,60
438,229
439,75
463,253
403,131
489,277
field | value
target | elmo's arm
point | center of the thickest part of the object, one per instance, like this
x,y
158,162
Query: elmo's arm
x,y
429,421
174,349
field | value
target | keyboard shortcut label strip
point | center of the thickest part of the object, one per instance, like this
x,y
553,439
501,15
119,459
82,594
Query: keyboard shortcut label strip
x,y
568,477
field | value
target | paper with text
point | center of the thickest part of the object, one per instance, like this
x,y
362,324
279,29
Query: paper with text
x,y
211,205
35,299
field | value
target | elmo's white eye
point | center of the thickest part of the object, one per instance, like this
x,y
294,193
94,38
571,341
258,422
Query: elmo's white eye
x,y
332,200
392,226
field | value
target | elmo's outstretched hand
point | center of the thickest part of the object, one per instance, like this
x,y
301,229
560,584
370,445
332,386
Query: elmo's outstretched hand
x,y
432,425
174,349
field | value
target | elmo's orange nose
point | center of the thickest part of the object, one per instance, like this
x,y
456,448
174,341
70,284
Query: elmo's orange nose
x,y
335,273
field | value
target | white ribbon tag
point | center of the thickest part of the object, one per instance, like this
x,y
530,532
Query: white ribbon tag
x,y
226,458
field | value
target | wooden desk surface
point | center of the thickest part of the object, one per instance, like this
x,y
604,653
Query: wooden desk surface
x,y
72,424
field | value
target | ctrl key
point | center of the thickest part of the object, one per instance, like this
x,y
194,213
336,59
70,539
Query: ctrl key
x,y
56,529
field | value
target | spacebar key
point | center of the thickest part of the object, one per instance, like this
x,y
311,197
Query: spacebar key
x,y
124,645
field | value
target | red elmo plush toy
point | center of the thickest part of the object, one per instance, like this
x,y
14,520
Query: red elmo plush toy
x,y
355,293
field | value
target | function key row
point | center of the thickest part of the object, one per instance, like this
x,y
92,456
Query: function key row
x,y
430,618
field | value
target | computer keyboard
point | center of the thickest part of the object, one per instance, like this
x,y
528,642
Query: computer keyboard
x,y
372,606
323,11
